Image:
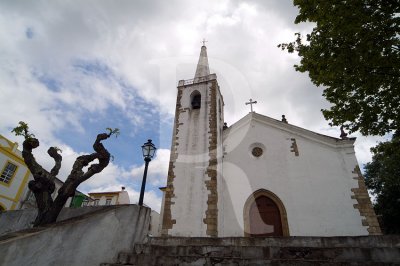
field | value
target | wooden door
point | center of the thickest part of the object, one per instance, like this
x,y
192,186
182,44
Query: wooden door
x,y
265,218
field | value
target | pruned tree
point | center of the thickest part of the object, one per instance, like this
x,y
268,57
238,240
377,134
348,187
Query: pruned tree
x,y
43,184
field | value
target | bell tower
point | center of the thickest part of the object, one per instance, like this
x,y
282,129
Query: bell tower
x,y
191,197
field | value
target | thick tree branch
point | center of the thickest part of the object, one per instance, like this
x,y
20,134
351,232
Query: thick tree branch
x,y
101,154
53,152
77,175
42,185
35,168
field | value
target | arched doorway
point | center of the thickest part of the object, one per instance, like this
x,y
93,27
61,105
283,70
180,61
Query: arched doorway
x,y
265,215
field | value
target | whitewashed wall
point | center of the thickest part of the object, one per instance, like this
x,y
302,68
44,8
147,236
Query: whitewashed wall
x,y
315,187
190,191
189,187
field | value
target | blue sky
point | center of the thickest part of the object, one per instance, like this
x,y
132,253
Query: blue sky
x,y
70,71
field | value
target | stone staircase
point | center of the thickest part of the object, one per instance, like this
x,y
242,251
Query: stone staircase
x,y
366,250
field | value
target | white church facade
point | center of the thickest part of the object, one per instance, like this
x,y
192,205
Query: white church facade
x,y
258,177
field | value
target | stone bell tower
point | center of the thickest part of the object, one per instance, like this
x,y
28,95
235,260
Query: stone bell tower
x,y
191,196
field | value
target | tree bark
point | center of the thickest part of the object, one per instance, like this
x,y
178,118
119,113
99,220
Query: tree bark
x,y
43,184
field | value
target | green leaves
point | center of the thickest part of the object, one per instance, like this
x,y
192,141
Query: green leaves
x,y
354,53
23,130
114,131
382,177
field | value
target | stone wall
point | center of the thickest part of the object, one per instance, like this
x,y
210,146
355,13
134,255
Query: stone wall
x,y
362,251
211,219
85,240
167,220
12,221
364,204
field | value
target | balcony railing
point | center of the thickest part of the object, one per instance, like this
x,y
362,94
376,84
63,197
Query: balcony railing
x,y
197,80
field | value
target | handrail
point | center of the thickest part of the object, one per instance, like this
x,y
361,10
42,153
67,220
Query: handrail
x,y
197,80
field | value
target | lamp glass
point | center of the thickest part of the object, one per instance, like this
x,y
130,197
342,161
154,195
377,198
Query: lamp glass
x,y
148,150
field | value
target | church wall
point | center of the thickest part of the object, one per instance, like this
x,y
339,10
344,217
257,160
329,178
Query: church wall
x,y
191,196
314,183
189,202
190,167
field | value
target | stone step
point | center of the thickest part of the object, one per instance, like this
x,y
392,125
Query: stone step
x,y
210,251
293,241
363,250
264,253
218,261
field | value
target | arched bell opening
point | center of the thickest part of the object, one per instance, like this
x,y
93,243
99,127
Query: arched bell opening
x,y
195,99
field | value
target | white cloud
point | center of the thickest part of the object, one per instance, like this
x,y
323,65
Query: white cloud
x,y
157,170
150,198
61,62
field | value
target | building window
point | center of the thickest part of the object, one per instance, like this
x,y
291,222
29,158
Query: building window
x,y
8,172
108,201
96,202
85,203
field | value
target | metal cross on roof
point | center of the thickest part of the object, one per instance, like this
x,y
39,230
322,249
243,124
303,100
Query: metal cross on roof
x,y
251,104
204,42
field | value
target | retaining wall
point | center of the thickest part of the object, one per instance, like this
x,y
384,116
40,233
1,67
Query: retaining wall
x,y
89,239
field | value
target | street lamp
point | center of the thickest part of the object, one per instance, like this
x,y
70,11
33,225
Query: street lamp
x,y
148,150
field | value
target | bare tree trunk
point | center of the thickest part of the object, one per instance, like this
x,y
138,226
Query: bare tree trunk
x,y
43,184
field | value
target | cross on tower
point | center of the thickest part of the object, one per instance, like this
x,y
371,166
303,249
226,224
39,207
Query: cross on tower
x,y
204,42
251,104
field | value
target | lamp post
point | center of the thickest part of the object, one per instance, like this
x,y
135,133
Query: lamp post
x,y
148,150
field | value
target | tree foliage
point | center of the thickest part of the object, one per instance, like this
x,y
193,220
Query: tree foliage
x,y
354,53
113,131
43,185
382,177
22,130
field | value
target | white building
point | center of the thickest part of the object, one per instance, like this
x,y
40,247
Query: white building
x,y
108,198
260,176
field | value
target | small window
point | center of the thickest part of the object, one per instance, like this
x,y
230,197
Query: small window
x,y
196,101
96,202
108,201
85,203
8,172
257,151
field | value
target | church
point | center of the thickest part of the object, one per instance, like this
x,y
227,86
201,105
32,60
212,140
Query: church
x,y
258,177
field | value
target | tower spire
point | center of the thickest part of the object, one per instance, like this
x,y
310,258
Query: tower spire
x,y
202,66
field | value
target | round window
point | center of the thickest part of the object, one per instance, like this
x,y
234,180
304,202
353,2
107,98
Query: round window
x,y
257,151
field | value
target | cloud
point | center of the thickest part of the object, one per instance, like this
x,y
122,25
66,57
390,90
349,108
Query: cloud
x,y
157,171
69,70
150,199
